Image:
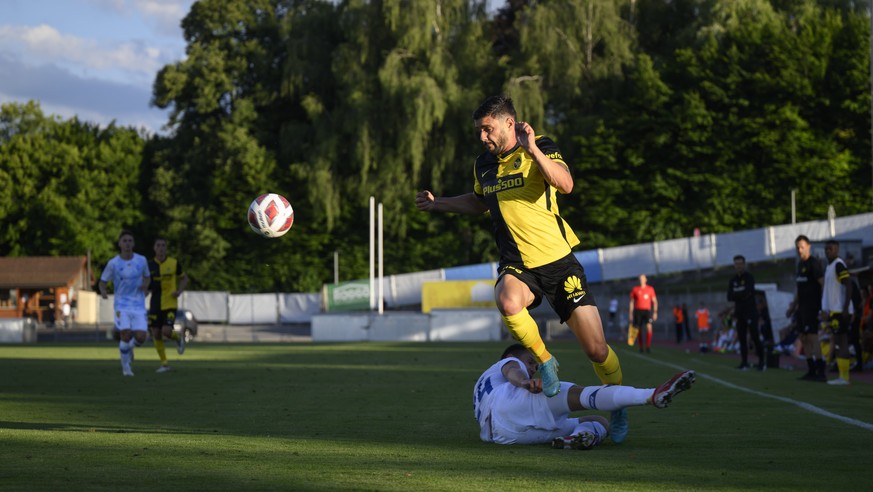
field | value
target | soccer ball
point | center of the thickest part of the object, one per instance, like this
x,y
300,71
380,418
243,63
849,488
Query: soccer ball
x,y
270,215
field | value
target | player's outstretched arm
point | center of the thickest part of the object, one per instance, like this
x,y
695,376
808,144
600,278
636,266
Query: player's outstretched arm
x,y
467,203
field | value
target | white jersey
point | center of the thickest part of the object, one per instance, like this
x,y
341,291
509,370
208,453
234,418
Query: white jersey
x,y
126,277
509,415
834,292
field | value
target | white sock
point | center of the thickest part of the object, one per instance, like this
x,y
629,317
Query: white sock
x,y
124,353
613,397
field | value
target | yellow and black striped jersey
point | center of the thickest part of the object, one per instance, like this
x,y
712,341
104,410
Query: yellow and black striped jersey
x,y
165,276
524,211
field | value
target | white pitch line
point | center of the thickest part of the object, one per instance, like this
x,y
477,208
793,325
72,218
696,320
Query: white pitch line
x,y
806,406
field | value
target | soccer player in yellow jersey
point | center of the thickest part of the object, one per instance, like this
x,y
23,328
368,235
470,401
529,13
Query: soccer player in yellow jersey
x,y
168,283
517,181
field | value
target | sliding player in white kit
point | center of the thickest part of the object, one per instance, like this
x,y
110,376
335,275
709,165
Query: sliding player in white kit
x,y
512,409
129,274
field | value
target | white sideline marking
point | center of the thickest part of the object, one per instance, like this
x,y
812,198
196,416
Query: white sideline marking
x,y
806,406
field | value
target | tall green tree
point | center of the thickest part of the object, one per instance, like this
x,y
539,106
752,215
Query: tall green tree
x,y
66,187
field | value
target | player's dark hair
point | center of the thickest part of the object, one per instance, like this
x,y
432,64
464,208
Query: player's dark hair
x,y
740,257
160,238
801,238
124,232
513,350
495,106
833,242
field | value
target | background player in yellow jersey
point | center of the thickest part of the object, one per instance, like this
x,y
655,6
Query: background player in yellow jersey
x,y
517,181
168,283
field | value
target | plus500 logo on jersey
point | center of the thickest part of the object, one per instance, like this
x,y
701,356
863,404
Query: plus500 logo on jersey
x,y
503,183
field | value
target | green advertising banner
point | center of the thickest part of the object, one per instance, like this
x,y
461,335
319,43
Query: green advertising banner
x,y
353,295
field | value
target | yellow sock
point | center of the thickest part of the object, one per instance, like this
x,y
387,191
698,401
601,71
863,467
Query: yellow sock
x,y
159,346
843,366
609,371
825,349
523,328
174,335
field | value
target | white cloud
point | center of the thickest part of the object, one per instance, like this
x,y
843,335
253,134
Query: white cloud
x,y
166,12
64,93
164,15
98,61
44,44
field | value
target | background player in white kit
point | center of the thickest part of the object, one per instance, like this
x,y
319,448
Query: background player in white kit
x,y
511,408
129,274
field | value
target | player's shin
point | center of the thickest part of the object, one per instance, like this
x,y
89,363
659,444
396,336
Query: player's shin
x,y
609,398
523,328
162,352
609,371
124,353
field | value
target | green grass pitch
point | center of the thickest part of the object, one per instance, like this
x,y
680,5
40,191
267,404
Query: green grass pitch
x,y
398,416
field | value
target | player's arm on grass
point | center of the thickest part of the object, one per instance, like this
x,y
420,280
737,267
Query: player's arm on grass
x,y
517,376
468,203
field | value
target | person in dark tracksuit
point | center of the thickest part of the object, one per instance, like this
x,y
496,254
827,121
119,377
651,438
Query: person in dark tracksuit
x,y
741,291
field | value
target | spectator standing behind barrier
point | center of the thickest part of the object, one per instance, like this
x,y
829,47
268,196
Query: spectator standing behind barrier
x,y
741,291
679,321
644,311
613,309
702,315
687,322
837,308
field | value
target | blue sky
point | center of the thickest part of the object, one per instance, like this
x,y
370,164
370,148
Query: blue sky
x,y
95,59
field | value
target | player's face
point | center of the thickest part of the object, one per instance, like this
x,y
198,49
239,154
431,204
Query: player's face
x,y
832,251
125,244
802,248
529,363
739,266
496,133
160,248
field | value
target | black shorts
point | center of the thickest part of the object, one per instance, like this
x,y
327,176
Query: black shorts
x,y
838,324
642,317
158,319
561,282
807,321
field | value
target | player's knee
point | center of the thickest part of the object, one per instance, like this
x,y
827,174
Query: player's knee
x,y
509,306
598,353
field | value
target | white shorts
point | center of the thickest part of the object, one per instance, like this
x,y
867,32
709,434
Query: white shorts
x,y
521,417
131,319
